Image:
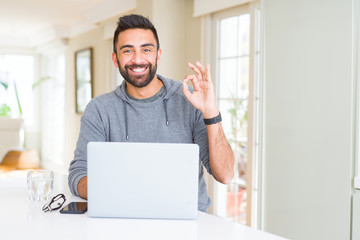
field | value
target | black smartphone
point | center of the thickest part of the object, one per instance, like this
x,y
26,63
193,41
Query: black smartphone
x,y
75,208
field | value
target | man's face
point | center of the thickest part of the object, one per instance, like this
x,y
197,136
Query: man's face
x,y
137,56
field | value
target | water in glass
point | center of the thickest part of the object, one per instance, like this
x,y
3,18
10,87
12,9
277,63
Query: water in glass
x,y
40,185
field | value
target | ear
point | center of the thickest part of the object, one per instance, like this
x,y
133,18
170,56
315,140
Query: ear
x,y
114,59
158,56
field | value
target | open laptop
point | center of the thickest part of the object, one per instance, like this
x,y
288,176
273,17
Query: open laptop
x,y
143,180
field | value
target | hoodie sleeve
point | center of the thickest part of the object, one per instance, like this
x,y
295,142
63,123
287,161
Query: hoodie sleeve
x,y
92,129
201,138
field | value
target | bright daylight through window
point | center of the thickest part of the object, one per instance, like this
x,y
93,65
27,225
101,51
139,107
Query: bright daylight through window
x,y
16,79
233,84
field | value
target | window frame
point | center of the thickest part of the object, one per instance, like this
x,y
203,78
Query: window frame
x,y
253,108
356,56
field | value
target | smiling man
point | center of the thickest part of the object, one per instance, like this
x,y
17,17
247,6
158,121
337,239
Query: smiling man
x,y
148,107
137,56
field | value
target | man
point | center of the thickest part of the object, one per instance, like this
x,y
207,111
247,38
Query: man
x,y
147,107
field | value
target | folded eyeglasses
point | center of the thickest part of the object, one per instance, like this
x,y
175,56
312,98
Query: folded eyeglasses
x,y
55,203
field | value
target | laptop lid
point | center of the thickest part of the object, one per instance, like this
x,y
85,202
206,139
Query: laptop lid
x,y
143,180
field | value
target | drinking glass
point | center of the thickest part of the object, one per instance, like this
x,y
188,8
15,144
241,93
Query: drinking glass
x,y
40,185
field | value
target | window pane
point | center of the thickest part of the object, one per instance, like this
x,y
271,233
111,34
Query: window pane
x,y
233,59
17,71
228,78
244,34
228,37
225,106
236,203
243,76
234,114
240,118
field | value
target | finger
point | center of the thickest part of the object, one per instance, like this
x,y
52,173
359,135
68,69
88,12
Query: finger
x,y
201,67
208,68
194,80
194,68
204,71
208,72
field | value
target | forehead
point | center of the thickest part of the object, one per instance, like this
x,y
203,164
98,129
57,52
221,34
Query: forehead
x,y
136,37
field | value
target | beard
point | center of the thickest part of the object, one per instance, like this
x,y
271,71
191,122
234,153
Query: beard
x,y
138,81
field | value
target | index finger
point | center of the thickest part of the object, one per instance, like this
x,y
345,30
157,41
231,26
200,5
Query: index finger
x,y
201,67
196,70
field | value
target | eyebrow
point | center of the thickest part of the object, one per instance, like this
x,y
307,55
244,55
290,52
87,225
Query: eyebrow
x,y
148,45
143,45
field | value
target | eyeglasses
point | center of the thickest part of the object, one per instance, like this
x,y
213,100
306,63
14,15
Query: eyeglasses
x,y
55,203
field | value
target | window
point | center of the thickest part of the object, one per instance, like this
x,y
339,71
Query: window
x,y
17,78
237,65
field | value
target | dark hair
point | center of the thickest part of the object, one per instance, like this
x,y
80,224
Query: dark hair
x,y
134,21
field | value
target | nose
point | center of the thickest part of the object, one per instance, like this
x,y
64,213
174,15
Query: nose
x,y
137,57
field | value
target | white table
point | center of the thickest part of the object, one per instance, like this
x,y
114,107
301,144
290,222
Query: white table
x,y
22,219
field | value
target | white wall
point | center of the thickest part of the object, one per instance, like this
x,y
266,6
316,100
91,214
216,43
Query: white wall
x,y
102,49
356,216
308,118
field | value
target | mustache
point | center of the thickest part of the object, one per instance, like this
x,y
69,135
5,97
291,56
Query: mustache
x,y
137,66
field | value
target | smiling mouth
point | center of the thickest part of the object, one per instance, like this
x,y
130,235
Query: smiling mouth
x,y
138,69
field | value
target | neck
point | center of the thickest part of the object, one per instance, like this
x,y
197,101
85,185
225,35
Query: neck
x,y
145,92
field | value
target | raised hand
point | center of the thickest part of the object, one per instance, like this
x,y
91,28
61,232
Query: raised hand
x,y
203,97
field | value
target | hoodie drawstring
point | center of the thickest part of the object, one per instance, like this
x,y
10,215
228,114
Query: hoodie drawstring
x,y
126,121
166,115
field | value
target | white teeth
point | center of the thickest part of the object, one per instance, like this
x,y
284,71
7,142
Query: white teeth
x,y
138,69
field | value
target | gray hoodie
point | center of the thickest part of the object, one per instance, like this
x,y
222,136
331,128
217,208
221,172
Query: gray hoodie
x,y
114,117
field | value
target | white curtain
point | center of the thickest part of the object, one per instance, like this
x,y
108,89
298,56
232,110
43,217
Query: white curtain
x,y
53,110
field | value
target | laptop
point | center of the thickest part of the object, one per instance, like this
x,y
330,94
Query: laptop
x,y
143,180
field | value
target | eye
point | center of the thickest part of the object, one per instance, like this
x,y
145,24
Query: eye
x,y
126,51
147,50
